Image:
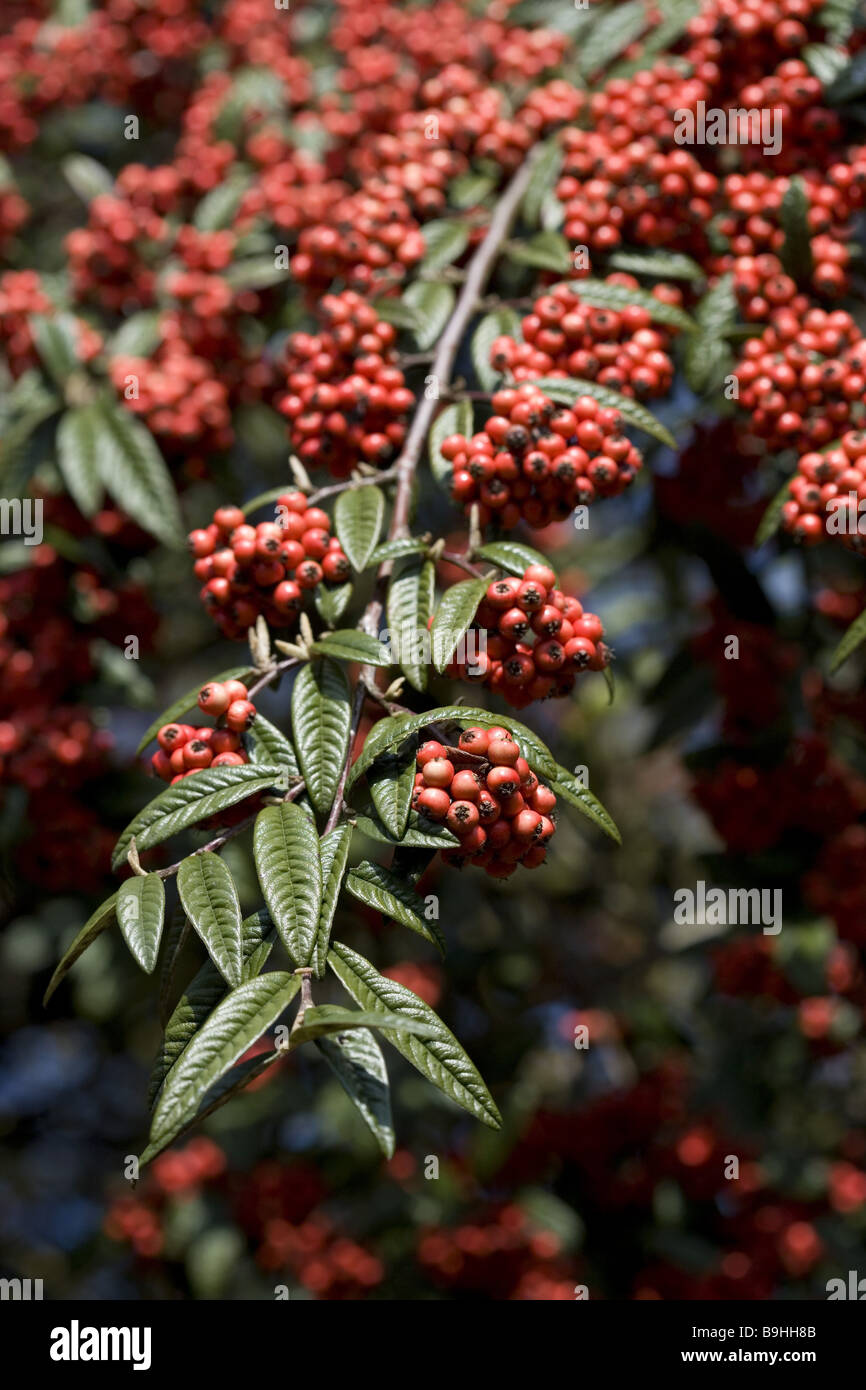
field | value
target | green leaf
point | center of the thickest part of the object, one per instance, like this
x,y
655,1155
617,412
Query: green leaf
x,y
134,473
235,1024
545,172
469,189
326,1019
195,798
286,849
432,305
446,240
56,341
357,1062
272,747
613,33
440,1058
332,601
454,419
210,901
566,785
631,411
86,177
321,727
511,556
348,644
218,208
19,430
397,312
547,250
771,520
255,273
395,550
409,604
95,925
334,852
664,265
454,616
850,83
253,90
384,890
391,783
140,916
393,730
796,250
708,357
420,833
598,294
839,18
824,62
500,323
188,701
76,449
204,992
138,336
852,639
358,515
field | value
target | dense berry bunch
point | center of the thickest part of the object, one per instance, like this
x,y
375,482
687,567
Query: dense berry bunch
x,y
248,570
564,337
177,395
828,493
184,749
531,640
346,399
488,796
535,460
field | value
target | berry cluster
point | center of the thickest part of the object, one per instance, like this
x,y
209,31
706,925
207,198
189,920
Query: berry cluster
x,y
487,795
535,460
177,395
532,639
248,570
184,749
346,399
563,337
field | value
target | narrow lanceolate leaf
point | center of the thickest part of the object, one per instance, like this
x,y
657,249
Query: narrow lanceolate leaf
x,y
453,619
196,798
395,550
76,448
446,240
188,701
631,411
203,993
409,604
854,636
795,252
391,783
327,1019
138,336
433,305
321,725
498,324
600,295
547,250
235,1024
134,473
388,893
86,177
348,644
56,341
271,746
662,265
210,901
357,1062
440,1058
393,730
95,925
331,601
611,36
566,785
420,833
454,419
334,853
772,518
545,172
140,916
708,356
286,849
358,517
511,556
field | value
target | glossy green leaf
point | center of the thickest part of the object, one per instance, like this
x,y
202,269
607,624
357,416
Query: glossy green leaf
x,y
76,451
547,250
358,515
663,265
95,925
384,890
548,162
348,644
454,617
445,239
854,636
500,323
391,731
772,518
321,727
331,601
512,556
210,901
409,604
286,849
56,341
420,833
356,1060
235,1024
795,252
271,746
334,854
195,799
395,550
391,782
611,35
566,785
327,1019
140,916
188,701
470,189
135,474
440,1058
433,305
138,336
86,177
708,357
454,419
